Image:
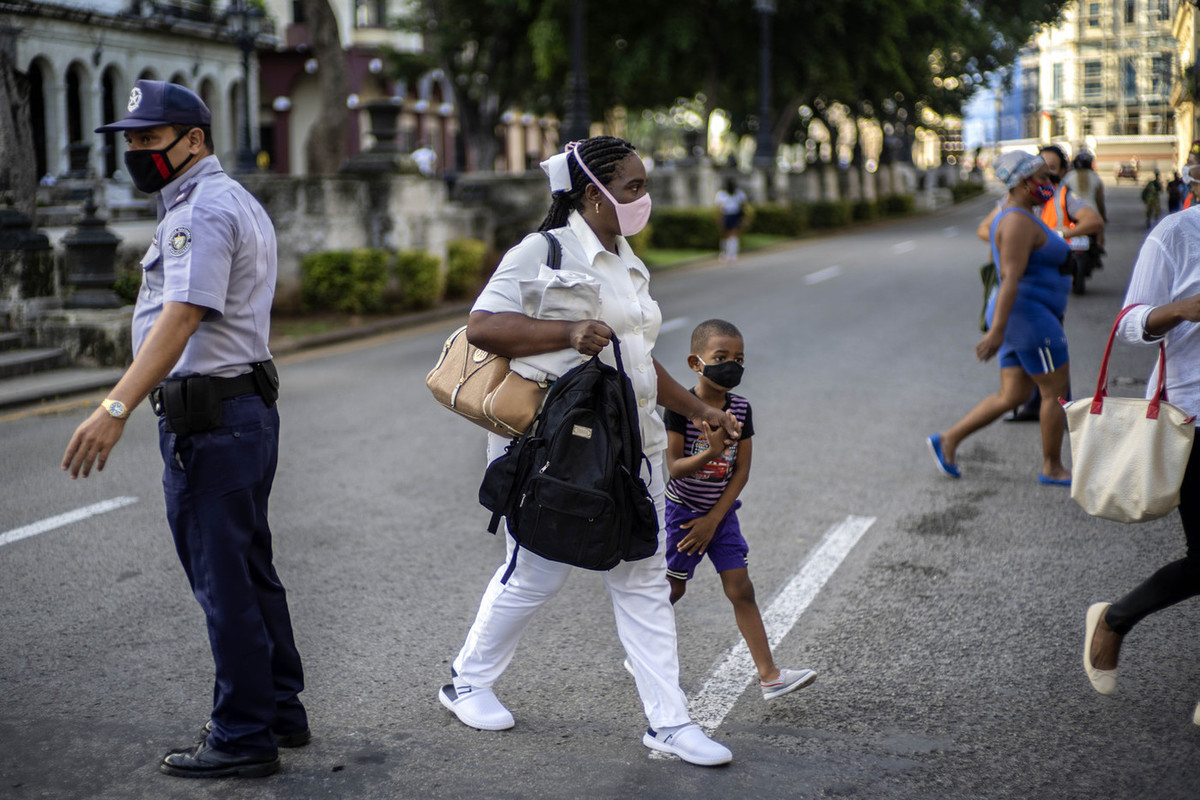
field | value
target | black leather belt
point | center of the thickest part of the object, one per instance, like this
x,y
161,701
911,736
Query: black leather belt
x,y
225,388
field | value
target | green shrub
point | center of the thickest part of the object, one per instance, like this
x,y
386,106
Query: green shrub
x,y
419,275
777,219
864,211
686,229
897,204
829,214
464,267
964,190
348,281
128,284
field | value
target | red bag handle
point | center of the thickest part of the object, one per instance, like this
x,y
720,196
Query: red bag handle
x,y
1160,393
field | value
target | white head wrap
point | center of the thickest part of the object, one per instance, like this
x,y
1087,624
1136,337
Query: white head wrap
x,y
559,170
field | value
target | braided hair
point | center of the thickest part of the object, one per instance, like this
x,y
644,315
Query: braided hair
x,y
601,154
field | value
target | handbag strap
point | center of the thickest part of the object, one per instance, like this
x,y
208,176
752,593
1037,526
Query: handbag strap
x,y
554,257
1160,392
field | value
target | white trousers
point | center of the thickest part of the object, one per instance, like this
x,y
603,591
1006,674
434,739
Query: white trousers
x,y
641,599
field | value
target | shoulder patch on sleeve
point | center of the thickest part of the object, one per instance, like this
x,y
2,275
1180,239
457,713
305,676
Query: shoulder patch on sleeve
x,y
180,240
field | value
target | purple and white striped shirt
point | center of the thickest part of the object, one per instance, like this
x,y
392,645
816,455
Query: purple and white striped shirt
x,y
701,490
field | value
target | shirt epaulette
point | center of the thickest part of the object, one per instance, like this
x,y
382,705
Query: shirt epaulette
x,y
184,195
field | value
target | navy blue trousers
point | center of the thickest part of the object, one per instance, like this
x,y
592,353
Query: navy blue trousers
x,y
217,486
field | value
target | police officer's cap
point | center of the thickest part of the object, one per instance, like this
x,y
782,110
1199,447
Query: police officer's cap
x,y
155,103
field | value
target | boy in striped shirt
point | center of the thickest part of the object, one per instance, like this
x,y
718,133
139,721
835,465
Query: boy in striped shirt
x,y
707,473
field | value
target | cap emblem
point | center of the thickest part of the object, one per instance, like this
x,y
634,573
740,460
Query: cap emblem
x,y
135,100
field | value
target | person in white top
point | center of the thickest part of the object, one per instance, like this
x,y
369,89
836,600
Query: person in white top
x,y
1085,182
1166,282
731,200
599,197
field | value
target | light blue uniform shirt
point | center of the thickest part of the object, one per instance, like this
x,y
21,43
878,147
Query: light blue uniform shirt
x,y
215,248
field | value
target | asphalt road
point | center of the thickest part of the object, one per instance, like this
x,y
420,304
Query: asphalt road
x,y
947,637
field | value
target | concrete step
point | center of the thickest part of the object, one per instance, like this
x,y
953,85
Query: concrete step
x,y
55,384
10,341
30,360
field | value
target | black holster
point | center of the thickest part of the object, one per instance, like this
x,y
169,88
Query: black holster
x,y
193,405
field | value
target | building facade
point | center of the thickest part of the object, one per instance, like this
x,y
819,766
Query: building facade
x,y
1102,79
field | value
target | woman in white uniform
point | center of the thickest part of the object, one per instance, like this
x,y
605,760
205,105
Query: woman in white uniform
x,y
599,197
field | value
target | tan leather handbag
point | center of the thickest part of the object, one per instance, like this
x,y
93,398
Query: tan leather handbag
x,y
480,386
1128,454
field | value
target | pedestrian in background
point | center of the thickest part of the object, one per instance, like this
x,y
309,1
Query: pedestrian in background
x,y
708,473
1175,194
732,202
599,198
1166,282
1152,198
1024,319
200,331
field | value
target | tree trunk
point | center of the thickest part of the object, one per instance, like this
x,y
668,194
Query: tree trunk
x,y
18,178
325,150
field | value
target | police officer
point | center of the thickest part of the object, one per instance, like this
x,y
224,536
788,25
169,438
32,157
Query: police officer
x,y
200,331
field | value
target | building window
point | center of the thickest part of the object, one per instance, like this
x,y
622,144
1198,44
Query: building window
x,y
370,13
1056,90
1128,78
1131,124
1160,74
298,17
1093,15
1164,9
1093,80
1130,15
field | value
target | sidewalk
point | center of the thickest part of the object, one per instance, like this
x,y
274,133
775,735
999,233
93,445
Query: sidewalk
x,y
47,387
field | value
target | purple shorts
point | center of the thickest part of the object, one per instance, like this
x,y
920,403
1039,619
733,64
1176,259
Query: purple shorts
x,y
727,550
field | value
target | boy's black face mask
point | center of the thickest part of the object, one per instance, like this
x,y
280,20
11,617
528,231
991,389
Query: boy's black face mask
x,y
727,374
151,170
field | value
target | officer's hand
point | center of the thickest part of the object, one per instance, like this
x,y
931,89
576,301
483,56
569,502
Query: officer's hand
x,y
589,336
91,443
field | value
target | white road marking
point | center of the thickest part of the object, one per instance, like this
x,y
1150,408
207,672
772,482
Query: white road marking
x,y
950,232
823,274
672,324
904,247
729,679
79,514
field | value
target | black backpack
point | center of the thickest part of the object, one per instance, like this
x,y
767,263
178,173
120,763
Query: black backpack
x,y
570,487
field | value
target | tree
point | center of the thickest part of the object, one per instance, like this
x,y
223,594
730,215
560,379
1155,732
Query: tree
x,y
17,175
325,149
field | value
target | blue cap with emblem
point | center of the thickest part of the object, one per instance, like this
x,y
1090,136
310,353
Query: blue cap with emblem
x,y
154,103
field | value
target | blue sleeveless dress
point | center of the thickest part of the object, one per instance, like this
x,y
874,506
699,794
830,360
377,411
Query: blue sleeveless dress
x,y
1036,317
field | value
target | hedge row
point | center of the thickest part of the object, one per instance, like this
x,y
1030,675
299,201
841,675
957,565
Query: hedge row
x,y
700,228
366,280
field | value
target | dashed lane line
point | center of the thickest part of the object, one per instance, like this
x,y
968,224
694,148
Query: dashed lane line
x,y
823,274
78,515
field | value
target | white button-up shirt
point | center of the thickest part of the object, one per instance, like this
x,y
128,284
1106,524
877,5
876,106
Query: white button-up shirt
x,y
1166,270
625,306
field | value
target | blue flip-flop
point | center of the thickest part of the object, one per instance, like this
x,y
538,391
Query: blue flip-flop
x,y
935,446
1053,481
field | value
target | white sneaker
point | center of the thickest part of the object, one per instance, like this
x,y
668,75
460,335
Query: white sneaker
x,y
789,680
689,743
476,708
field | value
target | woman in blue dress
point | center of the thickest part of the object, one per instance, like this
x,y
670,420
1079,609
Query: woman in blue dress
x,y
1023,315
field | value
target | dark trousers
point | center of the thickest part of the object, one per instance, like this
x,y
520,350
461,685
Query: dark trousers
x,y
217,485
1178,580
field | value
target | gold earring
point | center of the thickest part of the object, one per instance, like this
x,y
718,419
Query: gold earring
x,y
597,206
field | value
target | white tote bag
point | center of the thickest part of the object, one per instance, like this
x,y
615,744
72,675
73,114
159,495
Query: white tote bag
x,y
1128,454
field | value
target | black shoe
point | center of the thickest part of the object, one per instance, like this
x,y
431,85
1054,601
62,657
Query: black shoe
x,y
202,761
1024,414
296,739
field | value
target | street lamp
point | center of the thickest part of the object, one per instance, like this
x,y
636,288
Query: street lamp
x,y
243,23
764,156
577,125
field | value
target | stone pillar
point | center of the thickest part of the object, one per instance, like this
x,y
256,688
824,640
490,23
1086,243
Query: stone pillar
x,y
89,260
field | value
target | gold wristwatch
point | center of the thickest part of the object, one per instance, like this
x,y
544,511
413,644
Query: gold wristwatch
x,y
115,408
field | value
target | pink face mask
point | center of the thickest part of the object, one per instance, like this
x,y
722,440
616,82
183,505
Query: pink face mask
x,y
631,217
